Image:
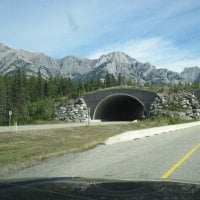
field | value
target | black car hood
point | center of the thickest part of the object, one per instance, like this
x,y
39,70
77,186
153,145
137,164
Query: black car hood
x,y
84,188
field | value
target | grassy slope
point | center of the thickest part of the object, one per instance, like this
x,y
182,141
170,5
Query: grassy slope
x,y
30,147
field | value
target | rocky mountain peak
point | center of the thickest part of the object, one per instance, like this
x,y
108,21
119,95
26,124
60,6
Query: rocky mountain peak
x,y
4,50
2,46
191,73
117,57
84,69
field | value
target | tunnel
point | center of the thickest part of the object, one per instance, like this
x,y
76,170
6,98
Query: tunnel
x,y
119,107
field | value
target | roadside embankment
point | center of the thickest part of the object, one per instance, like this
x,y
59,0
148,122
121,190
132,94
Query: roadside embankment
x,y
136,134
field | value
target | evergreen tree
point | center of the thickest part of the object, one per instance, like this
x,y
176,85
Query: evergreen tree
x,y
3,102
39,87
19,96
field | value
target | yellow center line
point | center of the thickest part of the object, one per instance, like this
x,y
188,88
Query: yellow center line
x,y
180,162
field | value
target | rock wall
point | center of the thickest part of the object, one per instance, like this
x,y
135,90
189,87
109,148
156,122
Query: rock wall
x,y
185,106
76,112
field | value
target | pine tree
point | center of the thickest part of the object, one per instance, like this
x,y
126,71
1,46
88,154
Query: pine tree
x,y
19,97
3,102
40,88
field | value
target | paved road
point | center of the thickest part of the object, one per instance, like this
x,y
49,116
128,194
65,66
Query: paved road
x,y
145,158
56,126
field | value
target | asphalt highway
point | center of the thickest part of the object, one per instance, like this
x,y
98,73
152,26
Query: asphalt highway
x,y
174,155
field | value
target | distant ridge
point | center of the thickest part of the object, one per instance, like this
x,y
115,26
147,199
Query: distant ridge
x,y
83,69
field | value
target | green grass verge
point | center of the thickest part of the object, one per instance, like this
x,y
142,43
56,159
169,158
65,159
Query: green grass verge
x,y
26,148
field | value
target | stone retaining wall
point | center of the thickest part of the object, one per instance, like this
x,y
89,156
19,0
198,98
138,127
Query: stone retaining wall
x,y
76,112
185,106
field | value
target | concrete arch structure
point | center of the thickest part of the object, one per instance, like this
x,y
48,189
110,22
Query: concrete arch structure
x,y
119,104
119,107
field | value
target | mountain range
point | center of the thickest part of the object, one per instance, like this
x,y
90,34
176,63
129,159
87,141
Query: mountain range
x,y
82,69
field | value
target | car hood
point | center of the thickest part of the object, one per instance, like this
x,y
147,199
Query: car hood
x,y
85,188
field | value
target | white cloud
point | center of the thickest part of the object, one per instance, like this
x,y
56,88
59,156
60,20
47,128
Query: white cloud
x,y
76,27
158,51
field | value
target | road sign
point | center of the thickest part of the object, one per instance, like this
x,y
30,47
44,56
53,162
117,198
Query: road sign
x,y
10,114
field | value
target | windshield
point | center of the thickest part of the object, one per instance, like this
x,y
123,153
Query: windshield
x,y
100,89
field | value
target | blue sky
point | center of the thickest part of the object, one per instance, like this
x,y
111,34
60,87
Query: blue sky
x,y
165,33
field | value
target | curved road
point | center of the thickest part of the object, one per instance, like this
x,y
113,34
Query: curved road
x,y
147,158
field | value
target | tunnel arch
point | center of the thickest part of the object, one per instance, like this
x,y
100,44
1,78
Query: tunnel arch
x,y
119,107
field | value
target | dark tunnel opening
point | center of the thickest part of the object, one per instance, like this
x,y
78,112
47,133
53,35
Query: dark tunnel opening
x,y
119,107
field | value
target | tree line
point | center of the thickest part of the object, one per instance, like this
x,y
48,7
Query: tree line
x,y
33,97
